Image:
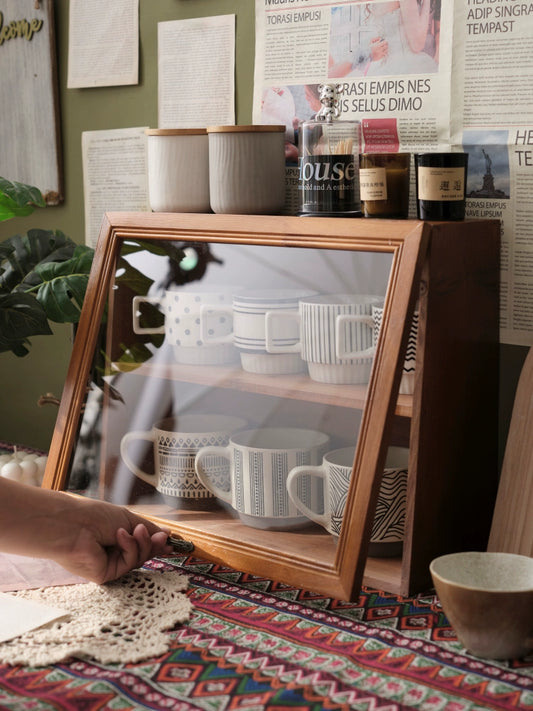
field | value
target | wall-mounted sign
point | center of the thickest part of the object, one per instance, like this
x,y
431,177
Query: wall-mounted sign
x,y
29,126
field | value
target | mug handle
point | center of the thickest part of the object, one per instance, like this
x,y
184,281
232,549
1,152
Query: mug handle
x,y
124,444
340,340
137,301
294,475
204,335
202,474
270,319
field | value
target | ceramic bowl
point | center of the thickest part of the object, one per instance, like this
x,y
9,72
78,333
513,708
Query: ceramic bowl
x,y
488,600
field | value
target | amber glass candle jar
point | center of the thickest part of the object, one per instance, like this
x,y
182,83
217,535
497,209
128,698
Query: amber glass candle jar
x,y
384,180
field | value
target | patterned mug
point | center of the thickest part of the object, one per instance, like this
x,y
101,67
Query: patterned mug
x,y
175,444
260,460
335,336
191,319
335,472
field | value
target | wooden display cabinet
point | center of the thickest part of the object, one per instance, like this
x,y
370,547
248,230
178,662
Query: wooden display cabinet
x,y
448,271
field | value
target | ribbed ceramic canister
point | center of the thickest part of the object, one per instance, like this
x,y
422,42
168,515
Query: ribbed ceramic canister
x,y
247,169
178,169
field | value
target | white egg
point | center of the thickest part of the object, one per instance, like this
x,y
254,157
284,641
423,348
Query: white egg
x,y
11,470
30,472
41,466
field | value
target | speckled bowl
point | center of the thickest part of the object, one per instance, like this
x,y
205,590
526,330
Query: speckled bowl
x,y
488,599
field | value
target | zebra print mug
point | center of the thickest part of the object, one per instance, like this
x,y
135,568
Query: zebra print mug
x,y
407,383
335,471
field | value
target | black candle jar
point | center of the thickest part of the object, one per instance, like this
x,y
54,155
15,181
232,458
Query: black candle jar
x,y
441,185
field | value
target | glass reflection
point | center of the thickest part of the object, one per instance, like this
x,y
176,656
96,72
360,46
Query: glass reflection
x,y
231,382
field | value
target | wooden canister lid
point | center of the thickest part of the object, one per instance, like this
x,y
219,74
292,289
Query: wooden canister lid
x,y
255,128
175,131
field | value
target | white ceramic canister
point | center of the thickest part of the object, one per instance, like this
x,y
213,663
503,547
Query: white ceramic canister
x,y
247,169
178,169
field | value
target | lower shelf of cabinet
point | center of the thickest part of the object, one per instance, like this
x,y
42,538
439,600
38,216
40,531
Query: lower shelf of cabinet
x,y
222,538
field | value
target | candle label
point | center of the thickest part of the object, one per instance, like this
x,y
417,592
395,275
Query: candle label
x,y
441,183
373,183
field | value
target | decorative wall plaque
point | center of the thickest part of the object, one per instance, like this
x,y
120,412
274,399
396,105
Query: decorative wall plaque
x,y
29,130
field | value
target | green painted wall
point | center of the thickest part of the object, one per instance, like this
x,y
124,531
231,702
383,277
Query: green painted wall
x,y
23,381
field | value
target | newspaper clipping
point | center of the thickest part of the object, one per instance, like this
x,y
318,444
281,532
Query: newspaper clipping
x,y
420,75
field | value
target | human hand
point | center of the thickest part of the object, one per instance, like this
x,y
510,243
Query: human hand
x,y
94,539
379,49
109,541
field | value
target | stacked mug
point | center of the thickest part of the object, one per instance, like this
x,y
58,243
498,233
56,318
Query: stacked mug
x,y
335,336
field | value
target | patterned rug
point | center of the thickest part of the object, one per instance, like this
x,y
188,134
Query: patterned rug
x,y
254,644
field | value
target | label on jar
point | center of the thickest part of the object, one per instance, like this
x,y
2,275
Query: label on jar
x,y
441,183
329,183
373,183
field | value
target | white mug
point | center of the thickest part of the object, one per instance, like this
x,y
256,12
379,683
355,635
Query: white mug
x,y
335,336
335,473
251,310
260,461
192,317
175,441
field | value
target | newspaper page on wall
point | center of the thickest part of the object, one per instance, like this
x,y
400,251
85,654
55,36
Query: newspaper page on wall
x,y
420,75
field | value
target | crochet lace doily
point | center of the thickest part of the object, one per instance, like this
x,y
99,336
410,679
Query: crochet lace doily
x,y
121,621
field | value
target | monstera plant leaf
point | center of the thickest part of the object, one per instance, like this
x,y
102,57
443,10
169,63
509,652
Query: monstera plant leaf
x,y
63,284
21,316
44,276
18,199
21,254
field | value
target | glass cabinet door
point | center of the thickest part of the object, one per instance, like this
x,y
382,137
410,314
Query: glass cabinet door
x,y
236,378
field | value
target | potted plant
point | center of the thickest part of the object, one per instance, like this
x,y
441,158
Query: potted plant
x,y
43,274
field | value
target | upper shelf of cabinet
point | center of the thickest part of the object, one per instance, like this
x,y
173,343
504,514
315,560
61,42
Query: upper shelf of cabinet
x,y
295,387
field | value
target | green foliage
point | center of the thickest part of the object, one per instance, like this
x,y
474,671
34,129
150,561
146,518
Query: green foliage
x,y
17,199
44,276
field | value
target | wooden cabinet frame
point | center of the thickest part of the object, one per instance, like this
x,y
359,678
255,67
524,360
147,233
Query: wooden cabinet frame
x,y
450,423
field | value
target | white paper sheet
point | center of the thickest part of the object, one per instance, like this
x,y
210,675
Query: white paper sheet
x,y
18,616
103,43
115,175
196,74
